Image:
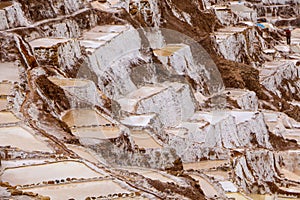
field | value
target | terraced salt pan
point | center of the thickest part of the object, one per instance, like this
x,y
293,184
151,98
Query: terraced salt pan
x,y
102,6
232,29
79,191
268,197
240,8
17,163
269,51
295,36
47,42
3,104
82,152
282,48
242,116
63,82
128,103
278,64
207,187
45,172
9,71
228,186
91,44
21,138
168,50
216,116
6,88
272,116
291,189
104,33
82,89
219,7
99,36
293,134
144,140
273,19
296,33
223,33
110,28
138,120
179,132
100,132
8,118
203,165
290,175
145,92
218,175
148,173
291,169
191,126
236,195
211,117
235,92
84,117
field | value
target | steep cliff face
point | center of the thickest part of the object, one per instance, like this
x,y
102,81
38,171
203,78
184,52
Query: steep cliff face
x,y
240,44
281,78
216,133
257,171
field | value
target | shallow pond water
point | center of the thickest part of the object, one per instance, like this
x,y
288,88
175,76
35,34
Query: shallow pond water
x,y
46,172
22,138
79,191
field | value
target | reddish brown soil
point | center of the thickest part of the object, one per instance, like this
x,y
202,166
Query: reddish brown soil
x,y
281,144
53,92
194,193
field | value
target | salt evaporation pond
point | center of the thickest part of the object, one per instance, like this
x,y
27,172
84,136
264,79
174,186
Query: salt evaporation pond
x,y
47,42
9,71
3,104
100,132
207,188
79,191
50,171
21,138
148,173
168,50
84,117
269,197
204,164
6,88
144,140
7,118
236,195
82,152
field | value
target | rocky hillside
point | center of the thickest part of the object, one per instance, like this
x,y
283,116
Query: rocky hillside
x,y
169,99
